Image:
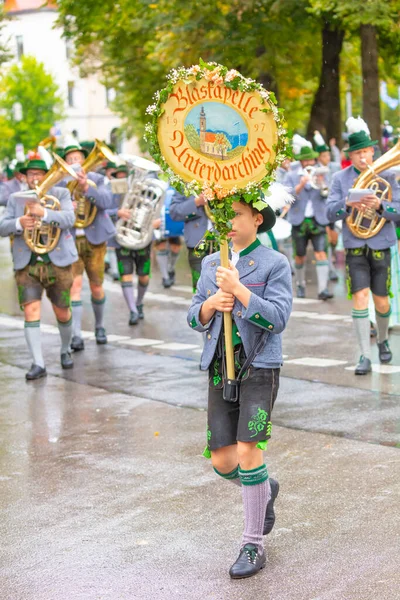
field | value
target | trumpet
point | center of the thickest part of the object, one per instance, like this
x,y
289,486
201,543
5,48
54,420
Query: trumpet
x,y
318,179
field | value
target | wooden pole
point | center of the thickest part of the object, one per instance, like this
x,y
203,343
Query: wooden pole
x,y
230,361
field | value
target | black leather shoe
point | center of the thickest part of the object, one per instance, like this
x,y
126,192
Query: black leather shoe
x,y
363,367
171,275
35,372
140,311
77,343
301,291
249,562
385,354
100,334
133,318
66,361
167,283
325,295
269,520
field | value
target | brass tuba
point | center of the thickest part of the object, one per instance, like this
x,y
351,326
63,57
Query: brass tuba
x,y
44,237
367,222
85,210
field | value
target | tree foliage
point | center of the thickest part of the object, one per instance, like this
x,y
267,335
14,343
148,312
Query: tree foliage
x,y
30,85
277,42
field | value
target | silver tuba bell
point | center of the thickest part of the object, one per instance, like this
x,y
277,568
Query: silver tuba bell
x,y
144,199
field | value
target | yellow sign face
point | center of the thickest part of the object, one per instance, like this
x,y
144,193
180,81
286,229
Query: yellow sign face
x,y
214,134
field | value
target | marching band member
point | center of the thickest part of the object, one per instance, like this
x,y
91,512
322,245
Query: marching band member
x,y
129,260
191,211
37,272
168,246
324,160
111,262
367,260
16,184
92,245
308,219
238,431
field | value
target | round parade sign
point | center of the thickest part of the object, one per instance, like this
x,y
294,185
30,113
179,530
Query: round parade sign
x,y
216,132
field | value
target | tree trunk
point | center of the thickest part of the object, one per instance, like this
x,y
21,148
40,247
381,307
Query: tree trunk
x,y
266,78
325,112
370,74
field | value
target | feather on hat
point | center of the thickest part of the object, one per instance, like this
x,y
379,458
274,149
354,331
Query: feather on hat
x,y
356,125
359,134
299,142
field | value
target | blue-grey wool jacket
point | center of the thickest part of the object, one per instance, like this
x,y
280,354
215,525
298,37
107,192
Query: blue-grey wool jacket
x,y
337,210
102,228
65,252
296,214
194,217
267,274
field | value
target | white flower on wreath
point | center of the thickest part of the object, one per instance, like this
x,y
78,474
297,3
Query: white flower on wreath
x,y
230,76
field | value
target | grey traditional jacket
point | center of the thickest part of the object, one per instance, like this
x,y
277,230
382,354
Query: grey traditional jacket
x,y
65,252
194,217
337,210
9,187
266,273
297,212
102,228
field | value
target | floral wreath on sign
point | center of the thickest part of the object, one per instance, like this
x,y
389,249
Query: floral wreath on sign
x,y
220,199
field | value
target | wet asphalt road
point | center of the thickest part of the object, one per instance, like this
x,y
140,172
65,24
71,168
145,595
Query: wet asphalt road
x,y
104,493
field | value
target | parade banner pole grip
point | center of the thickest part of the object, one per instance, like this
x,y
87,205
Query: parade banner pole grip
x,y
230,362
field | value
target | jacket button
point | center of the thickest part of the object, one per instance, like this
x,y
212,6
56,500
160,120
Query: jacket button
x,y
239,313
213,264
251,263
208,292
197,225
209,336
270,327
257,316
238,334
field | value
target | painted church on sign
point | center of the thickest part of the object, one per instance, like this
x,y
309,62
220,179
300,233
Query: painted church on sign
x,y
208,140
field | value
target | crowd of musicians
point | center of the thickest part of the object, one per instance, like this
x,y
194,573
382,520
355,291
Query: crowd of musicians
x,y
92,208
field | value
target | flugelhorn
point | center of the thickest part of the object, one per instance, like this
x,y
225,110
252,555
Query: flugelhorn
x,y
367,222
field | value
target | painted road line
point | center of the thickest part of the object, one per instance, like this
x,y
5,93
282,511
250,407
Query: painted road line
x,y
306,301
115,288
187,289
14,322
309,361
302,314
176,346
382,369
142,342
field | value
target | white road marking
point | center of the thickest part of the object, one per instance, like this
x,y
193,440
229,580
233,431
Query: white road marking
x,y
302,314
117,338
382,369
143,342
306,301
177,346
310,361
115,288
12,322
183,288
